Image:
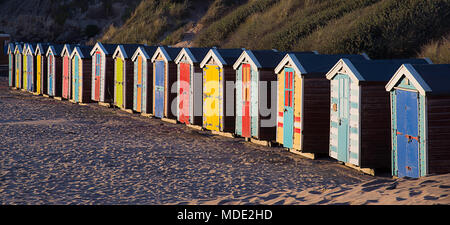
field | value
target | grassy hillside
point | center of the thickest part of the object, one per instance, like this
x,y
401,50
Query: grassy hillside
x,y
438,51
381,28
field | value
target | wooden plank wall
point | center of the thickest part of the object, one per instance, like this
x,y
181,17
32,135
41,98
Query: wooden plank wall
x,y
129,83
86,75
109,80
438,133
267,133
58,76
316,115
150,87
229,74
198,94
375,126
44,75
171,78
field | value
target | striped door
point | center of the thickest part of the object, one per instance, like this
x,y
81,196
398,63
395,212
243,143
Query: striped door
x,y
30,82
246,99
97,75
119,83
11,70
24,73
38,74
51,75
407,133
18,68
183,93
65,85
159,88
288,117
211,108
76,78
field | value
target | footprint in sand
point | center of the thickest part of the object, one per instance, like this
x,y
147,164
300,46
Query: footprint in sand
x,y
429,197
400,199
414,193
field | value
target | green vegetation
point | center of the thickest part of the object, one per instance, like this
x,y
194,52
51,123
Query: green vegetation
x,y
151,20
438,51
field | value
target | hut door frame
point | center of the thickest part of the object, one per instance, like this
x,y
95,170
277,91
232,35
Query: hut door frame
x,y
343,111
184,105
17,70
159,88
38,73
407,110
119,82
246,100
288,113
139,84
97,75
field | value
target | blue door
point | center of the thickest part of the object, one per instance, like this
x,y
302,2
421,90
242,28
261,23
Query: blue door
x,y
30,81
159,89
76,78
343,116
51,72
407,133
288,116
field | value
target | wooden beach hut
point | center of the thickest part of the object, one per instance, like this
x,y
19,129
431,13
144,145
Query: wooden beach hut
x,y
165,76
66,71
103,72
219,80
30,67
81,65
254,81
143,79
41,68
11,64
302,114
420,112
189,85
18,65
359,112
124,76
54,70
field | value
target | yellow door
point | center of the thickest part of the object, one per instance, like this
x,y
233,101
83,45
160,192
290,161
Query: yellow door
x,y
280,114
38,74
24,72
211,101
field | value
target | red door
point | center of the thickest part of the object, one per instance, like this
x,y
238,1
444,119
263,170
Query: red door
x,y
246,78
98,59
184,92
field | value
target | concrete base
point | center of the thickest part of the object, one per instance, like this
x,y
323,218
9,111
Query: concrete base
x,y
58,98
304,154
261,142
223,134
196,127
47,96
80,103
127,110
36,94
73,101
147,115
24,90
108,105
169,120
368,171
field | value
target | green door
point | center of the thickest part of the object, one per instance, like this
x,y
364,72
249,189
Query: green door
x,y
119,82
343,116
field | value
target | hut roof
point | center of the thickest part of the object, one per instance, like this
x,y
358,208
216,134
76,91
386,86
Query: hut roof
x,y
146,51
83,51
432,78
168,53
370,70
224,57
195,55
126,51
56,49
107,49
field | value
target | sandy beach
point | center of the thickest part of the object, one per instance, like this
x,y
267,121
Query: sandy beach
x,y
57,152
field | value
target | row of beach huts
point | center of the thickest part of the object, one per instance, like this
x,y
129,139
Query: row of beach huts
x,y
369,114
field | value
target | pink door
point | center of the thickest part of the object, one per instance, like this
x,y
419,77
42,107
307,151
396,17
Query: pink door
x,y
97,77
65,87
246,129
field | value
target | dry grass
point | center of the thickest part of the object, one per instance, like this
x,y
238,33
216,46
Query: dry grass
x,y
438,51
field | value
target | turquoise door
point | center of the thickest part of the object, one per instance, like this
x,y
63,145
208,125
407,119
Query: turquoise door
x,y
343,116
288,116
76,78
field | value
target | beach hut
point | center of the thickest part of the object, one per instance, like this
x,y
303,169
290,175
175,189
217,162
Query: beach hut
x,y
103,72
11,64
189,85
254,81
143,79
165,76
81,65
41,68
359,112
54,70
18,65
420,112
302,114
66,71
30,67
219,80
124,76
